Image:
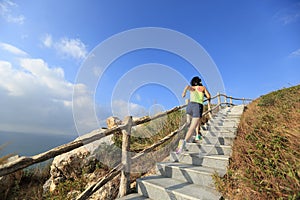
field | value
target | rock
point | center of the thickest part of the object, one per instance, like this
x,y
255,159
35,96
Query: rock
x,y
113,122
46,186
72,164
10,180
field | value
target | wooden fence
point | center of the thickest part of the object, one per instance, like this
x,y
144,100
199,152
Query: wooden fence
x,y
124,166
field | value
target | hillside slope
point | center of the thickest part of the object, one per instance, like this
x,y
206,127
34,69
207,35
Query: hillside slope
x,y
266,154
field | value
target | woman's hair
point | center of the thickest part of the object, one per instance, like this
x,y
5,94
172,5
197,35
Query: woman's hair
x,y
196,81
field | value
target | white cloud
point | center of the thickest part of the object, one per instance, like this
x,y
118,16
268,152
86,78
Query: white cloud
x,y
47,40
289,14
34,96
16,19
83,109
72,47
7,10
14,81
290,18
66,47
122,109
12,49
295,53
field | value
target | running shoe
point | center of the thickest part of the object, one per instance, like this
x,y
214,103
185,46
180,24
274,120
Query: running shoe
x,y
198,137
181,147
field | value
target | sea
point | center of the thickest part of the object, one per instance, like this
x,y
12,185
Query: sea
x,y
29,144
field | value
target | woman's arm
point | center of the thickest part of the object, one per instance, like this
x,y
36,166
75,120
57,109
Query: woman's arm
x,y
187,88
207,94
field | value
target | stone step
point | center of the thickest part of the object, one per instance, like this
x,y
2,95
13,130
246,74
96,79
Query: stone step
x,y
218,128
209,149
189,173
222,122
232,110
229,111
228,118
134,196
159,187
218,133
217,140
231,116
213,161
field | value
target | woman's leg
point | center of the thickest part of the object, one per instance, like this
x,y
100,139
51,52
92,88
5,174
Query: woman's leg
x,y
188,119
198,134
194,124
182,143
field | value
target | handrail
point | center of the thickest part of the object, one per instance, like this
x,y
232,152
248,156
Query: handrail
x,y
114,172
26,161
233,98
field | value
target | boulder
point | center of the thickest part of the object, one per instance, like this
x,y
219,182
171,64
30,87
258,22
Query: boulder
x,y
72,164
113,122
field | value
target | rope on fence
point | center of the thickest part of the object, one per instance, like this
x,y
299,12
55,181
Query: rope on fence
x,y
25,161
115,171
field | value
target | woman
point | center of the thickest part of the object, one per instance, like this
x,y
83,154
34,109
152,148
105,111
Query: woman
x,y
194,109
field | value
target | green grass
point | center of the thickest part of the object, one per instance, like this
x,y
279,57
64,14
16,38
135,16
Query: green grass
x,y
266,154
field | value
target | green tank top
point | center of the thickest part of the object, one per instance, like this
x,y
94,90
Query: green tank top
x,y
197,96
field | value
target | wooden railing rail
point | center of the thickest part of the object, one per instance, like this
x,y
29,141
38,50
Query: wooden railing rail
x,y
26,161
125,181
124,167
116,170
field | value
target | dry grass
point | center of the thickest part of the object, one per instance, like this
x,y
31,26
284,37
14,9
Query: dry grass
x,y
266,154
151,132
31,184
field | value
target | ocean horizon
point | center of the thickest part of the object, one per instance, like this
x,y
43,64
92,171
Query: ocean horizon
x,y
29,144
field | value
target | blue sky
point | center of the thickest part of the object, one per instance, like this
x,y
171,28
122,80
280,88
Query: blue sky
x,y
44,45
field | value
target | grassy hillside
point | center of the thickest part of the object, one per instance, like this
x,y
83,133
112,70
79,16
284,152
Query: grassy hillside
x,y
266,154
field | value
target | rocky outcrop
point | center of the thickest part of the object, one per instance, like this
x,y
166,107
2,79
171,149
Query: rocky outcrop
x,y
82,160
71,165
113,122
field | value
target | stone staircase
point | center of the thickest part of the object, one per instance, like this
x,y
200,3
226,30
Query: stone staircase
x,y
188,176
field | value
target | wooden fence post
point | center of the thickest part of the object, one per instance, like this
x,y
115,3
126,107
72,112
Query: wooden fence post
x,y
126,159
219,100
209,108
